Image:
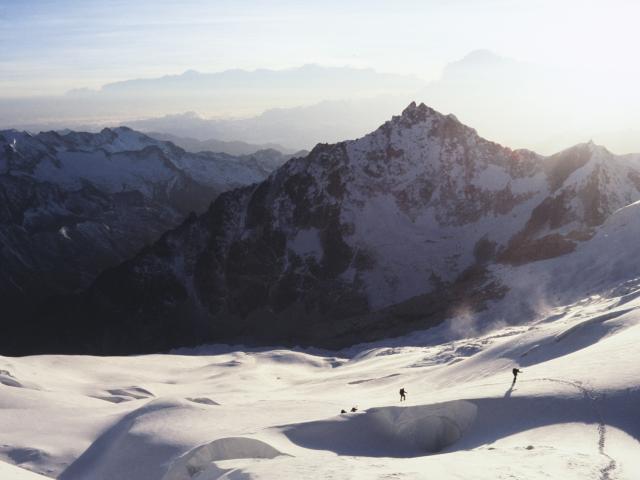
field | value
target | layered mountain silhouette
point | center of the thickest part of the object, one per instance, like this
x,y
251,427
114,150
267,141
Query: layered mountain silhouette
x,y
221,94
299,127
359,240
231,147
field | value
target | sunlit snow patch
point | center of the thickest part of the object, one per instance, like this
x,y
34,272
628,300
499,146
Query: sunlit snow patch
x,y
64,232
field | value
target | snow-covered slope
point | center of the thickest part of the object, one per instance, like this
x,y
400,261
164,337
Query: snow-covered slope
x,y
72,205
222,412
117,160
605,265
364,239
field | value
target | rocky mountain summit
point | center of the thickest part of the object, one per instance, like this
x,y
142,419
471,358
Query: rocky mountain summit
x,y
359,240
72,205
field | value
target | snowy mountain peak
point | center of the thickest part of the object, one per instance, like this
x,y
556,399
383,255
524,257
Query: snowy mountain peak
x,y
9,133
589,147
415,113
422,118
587,163
362,239
121,130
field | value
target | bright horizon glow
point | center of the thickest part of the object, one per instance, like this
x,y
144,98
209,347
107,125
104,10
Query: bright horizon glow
x,y
50,47
563,73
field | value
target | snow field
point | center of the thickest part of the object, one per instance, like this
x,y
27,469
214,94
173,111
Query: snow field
x,y
224,413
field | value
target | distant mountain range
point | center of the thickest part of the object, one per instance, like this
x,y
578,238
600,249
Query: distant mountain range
x,y
74,204
518,103
264,88
297,128
219,146
227,94
419,221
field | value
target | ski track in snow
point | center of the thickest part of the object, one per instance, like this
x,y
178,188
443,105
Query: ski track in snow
x,y
593,398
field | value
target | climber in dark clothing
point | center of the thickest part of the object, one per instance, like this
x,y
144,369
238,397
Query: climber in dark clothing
x,y
354,409
403,394
515,371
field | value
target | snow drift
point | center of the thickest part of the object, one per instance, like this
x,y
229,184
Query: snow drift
x,y
198,463
388,431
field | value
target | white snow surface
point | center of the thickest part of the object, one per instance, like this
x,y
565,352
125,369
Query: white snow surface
x,y
224,412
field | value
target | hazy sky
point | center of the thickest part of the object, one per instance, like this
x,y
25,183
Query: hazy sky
x,y
49,47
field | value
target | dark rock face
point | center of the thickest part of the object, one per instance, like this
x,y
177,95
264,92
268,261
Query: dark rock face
x,y
357,241
74,205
